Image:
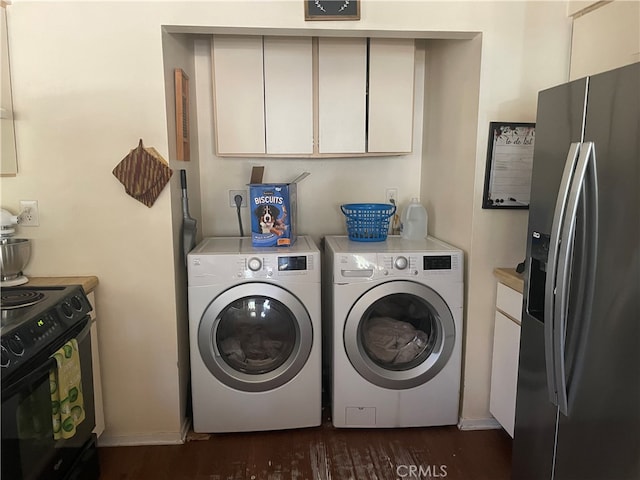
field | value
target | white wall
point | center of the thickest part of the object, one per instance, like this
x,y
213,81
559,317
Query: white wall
x,y
178,52
89,82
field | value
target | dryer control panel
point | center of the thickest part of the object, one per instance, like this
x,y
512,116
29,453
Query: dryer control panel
x,y
419,265
400,265
273,266
393,259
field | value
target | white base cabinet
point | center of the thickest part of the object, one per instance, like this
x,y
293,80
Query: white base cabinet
x,y
506,349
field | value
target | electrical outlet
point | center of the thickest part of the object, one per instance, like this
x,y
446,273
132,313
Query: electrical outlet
x,y
232,197
29,216
391,194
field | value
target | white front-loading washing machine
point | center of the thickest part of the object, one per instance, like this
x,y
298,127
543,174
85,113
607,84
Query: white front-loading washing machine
x,y
255,335
394,313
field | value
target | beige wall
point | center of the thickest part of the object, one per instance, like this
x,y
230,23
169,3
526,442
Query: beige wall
x,y
90,81
179,53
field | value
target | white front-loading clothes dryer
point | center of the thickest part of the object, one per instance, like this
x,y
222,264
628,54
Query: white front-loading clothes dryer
x,y
254,330
394,317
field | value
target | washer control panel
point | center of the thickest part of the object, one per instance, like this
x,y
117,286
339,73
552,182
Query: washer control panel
x,y
218,260
271,266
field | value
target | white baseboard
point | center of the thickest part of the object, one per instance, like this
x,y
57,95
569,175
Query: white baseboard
x,y
160,438
478,424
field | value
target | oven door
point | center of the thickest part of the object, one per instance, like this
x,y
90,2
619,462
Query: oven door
x,y
29,450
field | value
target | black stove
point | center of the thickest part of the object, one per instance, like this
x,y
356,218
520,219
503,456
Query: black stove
x,y
35,323
33,319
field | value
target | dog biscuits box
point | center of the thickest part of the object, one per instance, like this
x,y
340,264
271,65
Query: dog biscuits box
x,y
273,211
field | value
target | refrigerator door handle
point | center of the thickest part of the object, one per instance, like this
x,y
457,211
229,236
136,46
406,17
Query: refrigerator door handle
x,y
565,259
552,266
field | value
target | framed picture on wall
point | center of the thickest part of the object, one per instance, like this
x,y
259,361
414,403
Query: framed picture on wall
x,y
182,114
507,181
332,9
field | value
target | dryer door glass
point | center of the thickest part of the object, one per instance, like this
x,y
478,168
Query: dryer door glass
x,y
256,334
399,334
399,331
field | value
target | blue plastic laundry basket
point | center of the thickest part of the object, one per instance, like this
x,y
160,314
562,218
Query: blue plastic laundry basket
x,y
368,222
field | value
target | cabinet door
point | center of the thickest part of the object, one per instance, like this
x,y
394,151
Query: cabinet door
x,y
391,85
238,94
504,371
8,164
605,38
342,77
288,87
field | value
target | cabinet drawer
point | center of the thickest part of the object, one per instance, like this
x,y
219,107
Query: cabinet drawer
x,y
509,301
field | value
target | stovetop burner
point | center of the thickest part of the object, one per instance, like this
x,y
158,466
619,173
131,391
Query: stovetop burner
x,y
11,299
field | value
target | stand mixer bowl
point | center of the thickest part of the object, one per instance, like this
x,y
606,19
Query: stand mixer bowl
x,y
14,257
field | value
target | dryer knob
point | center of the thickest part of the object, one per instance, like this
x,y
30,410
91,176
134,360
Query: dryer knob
x,y
255,264
401,263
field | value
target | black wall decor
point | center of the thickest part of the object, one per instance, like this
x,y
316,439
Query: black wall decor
x,y
332,9
507,181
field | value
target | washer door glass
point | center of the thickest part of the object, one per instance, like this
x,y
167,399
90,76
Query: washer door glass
x,y
255,337
399,334
256,334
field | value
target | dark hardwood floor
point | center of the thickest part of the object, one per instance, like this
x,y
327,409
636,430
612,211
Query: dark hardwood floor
x,y
321,453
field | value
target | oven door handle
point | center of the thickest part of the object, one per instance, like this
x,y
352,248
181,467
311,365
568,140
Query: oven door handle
x,y
84,332
22,382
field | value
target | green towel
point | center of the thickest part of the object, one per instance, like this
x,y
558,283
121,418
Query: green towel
x,y
67,406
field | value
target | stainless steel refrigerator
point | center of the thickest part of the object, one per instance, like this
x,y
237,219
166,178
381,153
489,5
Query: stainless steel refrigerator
x,y
578,398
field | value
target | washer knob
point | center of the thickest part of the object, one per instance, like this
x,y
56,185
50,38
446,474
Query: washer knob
x,y
401,263
254,264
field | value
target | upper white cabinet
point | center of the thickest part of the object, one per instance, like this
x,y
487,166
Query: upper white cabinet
x,y
342,95
288,95
238,85
391,86
263,95
605,38
312,97
9,165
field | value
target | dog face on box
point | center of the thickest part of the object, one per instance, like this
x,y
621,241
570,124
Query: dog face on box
x,y
270,222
